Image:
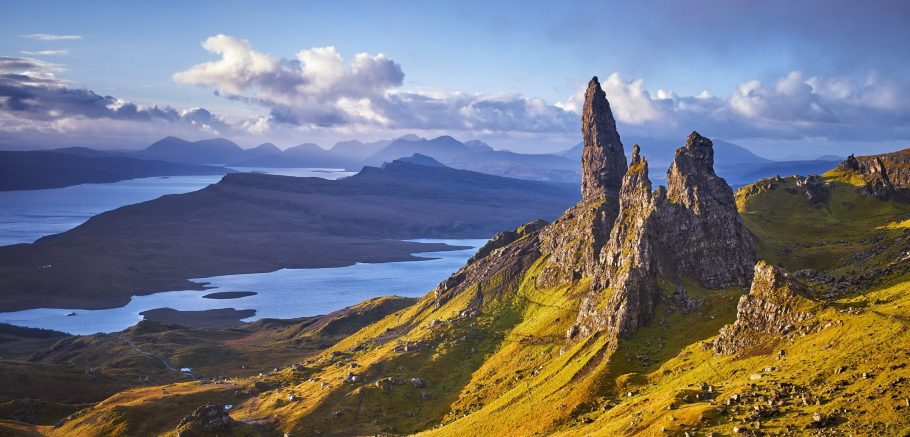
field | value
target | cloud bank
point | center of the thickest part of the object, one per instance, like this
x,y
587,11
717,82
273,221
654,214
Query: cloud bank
x,y
317,88
789,107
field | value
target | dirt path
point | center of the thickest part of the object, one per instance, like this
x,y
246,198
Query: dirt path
x,y
163,361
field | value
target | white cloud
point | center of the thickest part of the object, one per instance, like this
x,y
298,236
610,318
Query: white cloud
x,y
318,89
788,107
52,37
45,52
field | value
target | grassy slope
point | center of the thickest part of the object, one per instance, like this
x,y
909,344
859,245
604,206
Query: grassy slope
x,y
509,371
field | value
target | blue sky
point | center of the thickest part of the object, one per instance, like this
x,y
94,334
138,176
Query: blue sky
x,y
783,79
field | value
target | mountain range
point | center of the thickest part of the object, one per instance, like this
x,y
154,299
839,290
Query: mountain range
x,y
735,163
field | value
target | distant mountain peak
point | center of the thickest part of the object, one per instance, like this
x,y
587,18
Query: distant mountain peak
x,y
420,159
411,137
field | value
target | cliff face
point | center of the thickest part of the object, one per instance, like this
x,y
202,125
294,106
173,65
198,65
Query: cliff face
x,y
624,292
700,228
690,229
603,161
774,307
575,241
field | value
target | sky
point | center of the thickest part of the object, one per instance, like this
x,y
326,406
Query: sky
x,y
787,79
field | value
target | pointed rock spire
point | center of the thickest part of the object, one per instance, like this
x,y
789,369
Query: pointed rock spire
x,y
603,160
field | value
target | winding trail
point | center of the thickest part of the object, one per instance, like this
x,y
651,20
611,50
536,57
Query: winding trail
x,y
163,361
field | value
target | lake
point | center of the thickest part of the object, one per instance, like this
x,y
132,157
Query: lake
x,y
285,293
28,215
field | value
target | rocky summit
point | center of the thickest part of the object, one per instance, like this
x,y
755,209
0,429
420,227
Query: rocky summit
x,y
639,311
603,161
689,229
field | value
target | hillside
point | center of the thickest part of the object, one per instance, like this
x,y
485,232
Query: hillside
x,y
40,170
689,309
249,223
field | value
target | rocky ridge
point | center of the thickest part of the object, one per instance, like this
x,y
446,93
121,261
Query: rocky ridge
x,y
885,175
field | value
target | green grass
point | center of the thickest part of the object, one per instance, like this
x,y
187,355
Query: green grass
x,y
511,370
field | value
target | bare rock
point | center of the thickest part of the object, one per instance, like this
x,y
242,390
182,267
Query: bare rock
x,y
690,229
603,160
776,305
206,420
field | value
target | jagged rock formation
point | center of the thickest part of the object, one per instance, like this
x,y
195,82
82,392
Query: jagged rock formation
x,y
574,242
702,234
813,189
690,229
624,293
775,306
603,161
895,166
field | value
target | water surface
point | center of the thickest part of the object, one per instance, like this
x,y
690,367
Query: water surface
x,y
28,215
286,293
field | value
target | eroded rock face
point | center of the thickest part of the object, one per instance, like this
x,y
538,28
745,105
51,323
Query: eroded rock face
x,y
603,161
507,260
775,306
624,292
574,242
690,229
701,233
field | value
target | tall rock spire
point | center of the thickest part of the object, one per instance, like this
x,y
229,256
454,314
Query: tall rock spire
x,y
603,160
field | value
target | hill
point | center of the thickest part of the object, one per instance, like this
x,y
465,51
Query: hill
x,y
278,221
39,170
638,312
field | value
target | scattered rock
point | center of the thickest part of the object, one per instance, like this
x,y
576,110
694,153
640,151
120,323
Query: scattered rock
x,y
205,420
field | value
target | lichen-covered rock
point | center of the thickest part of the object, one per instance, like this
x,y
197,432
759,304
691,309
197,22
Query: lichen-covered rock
x,y
572,242
625,292
775,306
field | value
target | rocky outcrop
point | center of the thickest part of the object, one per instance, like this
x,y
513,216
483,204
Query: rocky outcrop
x,y
507,261
894,166
885,175
503,239
210,419
702,233
603,161
689,229
775,306
624,293
574,242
